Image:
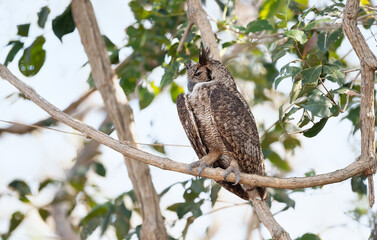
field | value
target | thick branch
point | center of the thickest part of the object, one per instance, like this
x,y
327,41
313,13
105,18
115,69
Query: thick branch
x,y
120,114
197,15
368,64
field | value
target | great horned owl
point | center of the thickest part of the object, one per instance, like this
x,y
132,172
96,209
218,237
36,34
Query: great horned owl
x,y
219,124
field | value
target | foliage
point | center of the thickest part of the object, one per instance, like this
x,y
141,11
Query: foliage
x,y
321,89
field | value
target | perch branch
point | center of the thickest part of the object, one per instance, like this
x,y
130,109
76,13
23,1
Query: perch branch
x,y
127,150
368,63
120,113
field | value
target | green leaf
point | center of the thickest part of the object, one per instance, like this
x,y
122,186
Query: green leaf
x,y
122,221
290,143
46,182
334,73
258,25
97,211
269,8
16,219
297,35
287,71
171,72
23,30
90,81
214,193
315,23
159,148
63,24
358,185
304,120
99,168
310,173
278,161
326,39
175,90
313,131
33,58
44,213
122,227
17,45
89,228
320,106
106,220
287,115
281,195
309,236
21,188
42,16
311,75
146,96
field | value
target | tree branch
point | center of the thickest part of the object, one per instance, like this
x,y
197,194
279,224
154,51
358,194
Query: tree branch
x,y
164,163
127,150
368,63
121,115
197,15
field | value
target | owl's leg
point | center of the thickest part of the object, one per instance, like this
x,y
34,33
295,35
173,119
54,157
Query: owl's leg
x,y
205,161
233,168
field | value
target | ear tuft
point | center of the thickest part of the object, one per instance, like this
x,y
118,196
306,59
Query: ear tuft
x,y
204,56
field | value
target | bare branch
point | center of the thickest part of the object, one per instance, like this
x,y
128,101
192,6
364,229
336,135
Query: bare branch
x,y
184,37
120,114
167,164
353,169
368,63
265,216
197,15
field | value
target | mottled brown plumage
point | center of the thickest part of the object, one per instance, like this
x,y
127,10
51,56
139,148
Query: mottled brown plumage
x,y
219,124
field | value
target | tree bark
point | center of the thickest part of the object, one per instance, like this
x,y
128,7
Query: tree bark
x,y
368,63
121,115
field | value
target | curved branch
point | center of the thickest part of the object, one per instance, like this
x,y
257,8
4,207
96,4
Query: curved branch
x,y
164,163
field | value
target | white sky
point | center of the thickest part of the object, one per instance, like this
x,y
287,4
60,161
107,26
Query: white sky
x,y
62,80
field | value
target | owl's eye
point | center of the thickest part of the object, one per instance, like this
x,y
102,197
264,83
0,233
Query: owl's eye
x,y
198,73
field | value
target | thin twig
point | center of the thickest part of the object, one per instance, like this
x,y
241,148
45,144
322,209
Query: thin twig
x,y
184,37
328,93
28,128
83,135
348,96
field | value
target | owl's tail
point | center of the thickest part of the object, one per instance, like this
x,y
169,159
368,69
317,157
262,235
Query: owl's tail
x,y
262,192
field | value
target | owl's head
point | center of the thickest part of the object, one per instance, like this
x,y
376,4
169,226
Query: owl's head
x,y
208,70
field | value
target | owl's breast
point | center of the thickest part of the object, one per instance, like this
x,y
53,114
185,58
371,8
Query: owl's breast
x,y
200,101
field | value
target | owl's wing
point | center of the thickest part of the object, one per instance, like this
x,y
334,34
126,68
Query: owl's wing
x,y
189,125
236,125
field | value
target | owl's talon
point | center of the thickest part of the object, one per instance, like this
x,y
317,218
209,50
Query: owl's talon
x,y
236,171
201,166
